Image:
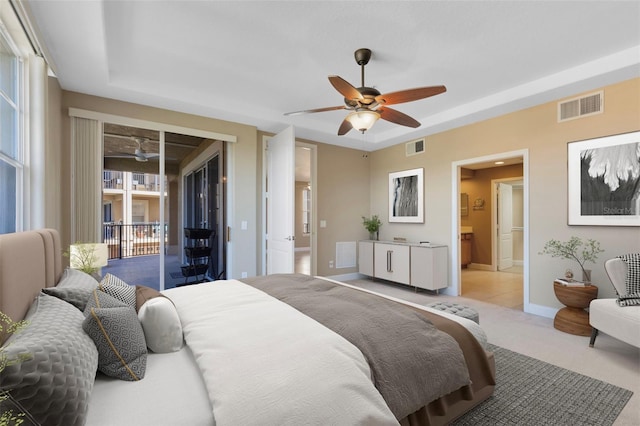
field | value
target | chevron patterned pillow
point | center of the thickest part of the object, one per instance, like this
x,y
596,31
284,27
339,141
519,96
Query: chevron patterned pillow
x,y
119,289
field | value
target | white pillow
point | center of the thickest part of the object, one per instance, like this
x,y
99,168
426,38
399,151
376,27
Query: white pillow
x,y
161,325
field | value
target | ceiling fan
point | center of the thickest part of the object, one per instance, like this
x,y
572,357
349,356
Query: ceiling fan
x,y
139,154
368,104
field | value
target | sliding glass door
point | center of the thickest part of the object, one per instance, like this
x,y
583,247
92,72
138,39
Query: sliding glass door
x,y
204,199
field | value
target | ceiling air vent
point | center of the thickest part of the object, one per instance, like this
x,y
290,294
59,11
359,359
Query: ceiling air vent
x,y
583,106
414,147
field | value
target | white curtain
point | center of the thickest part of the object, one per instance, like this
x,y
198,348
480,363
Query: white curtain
x,y
86,180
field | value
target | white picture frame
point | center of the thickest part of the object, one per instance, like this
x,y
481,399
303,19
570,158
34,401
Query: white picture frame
x,y
406,196
604,181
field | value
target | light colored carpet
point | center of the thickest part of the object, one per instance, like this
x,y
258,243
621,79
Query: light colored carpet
x,y
611,360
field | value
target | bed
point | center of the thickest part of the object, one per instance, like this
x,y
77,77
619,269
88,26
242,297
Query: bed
x,y
264,350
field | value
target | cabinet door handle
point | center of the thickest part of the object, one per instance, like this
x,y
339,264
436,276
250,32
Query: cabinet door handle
x,y
389,252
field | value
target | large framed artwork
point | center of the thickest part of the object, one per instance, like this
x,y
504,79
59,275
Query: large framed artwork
x,y
604,181
406,203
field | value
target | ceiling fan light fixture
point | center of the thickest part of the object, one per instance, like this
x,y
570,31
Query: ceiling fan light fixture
x,y
363,120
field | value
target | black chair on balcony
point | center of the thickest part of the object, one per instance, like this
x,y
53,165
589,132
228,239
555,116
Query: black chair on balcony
x,y
198,254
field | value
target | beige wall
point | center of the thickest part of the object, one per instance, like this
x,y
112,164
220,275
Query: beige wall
x,y
480,219
343,198
537,130
242,173
54,160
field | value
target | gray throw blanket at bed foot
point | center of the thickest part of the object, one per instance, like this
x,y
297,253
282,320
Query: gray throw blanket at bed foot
x,y
412,362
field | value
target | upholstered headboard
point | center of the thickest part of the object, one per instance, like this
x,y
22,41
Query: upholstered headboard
x,y
29,261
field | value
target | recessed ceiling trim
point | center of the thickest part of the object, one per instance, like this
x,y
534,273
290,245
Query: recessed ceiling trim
x,y
518,96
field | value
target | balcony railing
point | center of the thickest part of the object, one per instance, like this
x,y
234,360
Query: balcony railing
x,y
139,181
111,179
145,182
138,239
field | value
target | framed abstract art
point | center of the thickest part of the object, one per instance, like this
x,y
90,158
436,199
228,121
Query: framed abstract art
x,y
406,196
604,181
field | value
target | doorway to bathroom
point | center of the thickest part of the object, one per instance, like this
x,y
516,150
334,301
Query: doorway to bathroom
x,y
492,228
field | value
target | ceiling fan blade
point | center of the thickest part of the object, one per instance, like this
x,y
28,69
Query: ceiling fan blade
x,y
409,95
308,111
345,88
397,117
344,127
119,155
150,156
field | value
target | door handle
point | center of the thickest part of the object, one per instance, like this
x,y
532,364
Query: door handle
x,y
290,238
389,268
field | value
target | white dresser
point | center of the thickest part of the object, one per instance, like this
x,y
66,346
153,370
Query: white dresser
x,y
413,264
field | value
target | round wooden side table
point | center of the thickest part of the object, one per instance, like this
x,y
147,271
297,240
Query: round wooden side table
x,y
573,318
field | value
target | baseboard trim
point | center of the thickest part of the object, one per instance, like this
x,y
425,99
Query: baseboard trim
x,y
480,266
347,277
540,310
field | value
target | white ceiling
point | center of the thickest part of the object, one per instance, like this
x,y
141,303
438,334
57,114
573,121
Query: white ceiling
x,y
252,61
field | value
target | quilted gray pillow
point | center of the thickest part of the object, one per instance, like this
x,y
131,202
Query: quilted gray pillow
x,y
54,385
74,287
117,333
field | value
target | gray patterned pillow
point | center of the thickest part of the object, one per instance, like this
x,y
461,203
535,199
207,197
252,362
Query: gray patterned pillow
x,y
118,335
54,385
74,287
119,289
632,280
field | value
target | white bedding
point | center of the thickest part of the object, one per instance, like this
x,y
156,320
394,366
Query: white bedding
x,y
173,391
244,340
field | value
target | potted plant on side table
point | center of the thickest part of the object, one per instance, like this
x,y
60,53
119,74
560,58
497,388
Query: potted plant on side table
x,y
575,249
576,296
372,225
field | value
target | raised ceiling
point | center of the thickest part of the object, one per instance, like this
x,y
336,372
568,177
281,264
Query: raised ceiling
x,y
252,61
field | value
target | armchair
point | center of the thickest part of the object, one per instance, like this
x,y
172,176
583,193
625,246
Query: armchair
x,y
606,315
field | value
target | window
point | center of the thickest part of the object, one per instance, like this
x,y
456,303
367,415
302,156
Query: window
x,y
11,153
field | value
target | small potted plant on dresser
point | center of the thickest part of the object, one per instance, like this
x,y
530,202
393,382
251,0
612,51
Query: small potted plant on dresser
x,y
372,225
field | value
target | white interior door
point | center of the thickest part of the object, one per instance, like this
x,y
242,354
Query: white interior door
x,y
280,202
505,226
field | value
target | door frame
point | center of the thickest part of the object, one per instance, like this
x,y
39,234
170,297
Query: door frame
x,y
161,127
219,149
455,288
314,205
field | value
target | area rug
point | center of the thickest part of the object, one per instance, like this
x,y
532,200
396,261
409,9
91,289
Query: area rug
x,y
533,392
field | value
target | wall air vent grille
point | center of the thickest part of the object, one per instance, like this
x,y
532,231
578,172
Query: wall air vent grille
x,y
346,254
414,147
583,106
